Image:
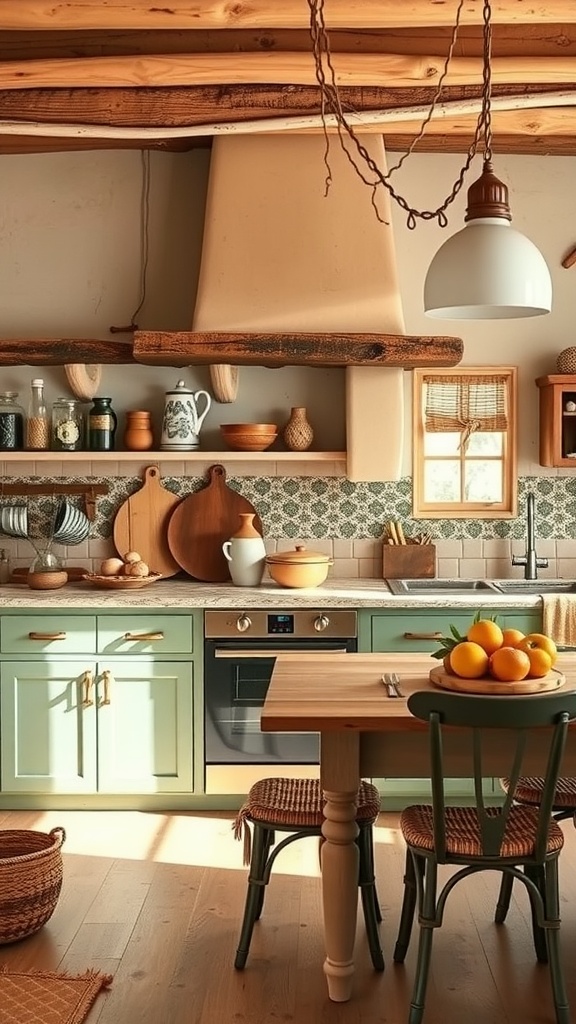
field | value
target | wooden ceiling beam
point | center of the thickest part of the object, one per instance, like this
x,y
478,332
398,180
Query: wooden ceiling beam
x,y
384,70
549,40
47,15
205,104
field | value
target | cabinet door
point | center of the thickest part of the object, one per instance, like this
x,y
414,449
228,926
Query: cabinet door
x,y
145,731
409,630
47,736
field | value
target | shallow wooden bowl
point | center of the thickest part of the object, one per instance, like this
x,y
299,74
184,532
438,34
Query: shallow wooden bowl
x,y
250,441
486,684
248,428
46,580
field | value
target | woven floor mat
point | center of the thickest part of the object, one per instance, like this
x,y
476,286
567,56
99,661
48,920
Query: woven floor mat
x,y
36,997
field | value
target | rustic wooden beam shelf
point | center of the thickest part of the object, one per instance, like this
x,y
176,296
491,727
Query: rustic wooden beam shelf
x,y
190,348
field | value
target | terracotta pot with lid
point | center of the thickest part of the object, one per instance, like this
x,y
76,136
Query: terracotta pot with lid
x,y
299,567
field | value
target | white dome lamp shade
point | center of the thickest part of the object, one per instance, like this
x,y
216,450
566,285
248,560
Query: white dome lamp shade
x,y
487,271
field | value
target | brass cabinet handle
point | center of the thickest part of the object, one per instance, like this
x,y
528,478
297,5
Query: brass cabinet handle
x,y
144,636
87,684
423,636
47,636
107,680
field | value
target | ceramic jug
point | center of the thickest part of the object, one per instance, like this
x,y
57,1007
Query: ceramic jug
x,y
246,553
182,422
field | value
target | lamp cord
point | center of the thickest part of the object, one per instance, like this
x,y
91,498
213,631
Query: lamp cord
x,y
330,101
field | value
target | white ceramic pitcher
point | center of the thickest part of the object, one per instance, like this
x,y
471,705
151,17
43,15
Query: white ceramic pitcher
x,y
246,553
182,422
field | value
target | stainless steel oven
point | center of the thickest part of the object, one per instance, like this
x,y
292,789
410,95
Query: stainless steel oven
x,y
239,652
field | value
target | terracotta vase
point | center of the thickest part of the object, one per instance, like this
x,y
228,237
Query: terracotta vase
x,y
138,435
246,553
298,434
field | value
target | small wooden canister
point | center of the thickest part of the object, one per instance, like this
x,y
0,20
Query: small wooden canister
x,y
138,434
408,561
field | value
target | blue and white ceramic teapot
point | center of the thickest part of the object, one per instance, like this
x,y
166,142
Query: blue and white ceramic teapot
x,y
182,421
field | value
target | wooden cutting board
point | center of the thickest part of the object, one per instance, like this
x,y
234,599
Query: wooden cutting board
x,y
553,681
141,524
201,524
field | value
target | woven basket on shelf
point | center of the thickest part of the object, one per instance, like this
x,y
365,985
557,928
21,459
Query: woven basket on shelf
x,y
30,880
566,360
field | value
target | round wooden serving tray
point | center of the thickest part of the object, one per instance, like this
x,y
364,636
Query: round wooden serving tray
x,y
553,681
121,582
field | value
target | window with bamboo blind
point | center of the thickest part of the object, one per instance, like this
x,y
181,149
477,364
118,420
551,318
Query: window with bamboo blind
x,y
465,443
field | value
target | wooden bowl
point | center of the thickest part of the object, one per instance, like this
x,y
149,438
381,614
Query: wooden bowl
x,y
249,437
47,580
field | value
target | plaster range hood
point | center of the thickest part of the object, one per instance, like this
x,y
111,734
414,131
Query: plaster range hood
x,y
281,256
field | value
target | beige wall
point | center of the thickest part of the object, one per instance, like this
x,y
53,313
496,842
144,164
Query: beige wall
x,y
70,258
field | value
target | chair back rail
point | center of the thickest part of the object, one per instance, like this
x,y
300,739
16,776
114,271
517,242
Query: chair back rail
x,y
478,713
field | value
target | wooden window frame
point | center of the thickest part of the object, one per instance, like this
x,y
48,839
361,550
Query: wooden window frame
x,y
505,509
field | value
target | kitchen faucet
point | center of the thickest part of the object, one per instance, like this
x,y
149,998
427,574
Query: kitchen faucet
x,y
530,559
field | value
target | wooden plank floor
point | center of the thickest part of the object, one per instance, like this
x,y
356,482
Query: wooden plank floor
x,y
156,900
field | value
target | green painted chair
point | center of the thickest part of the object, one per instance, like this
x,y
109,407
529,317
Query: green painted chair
x,y
529,790
521,841
295,806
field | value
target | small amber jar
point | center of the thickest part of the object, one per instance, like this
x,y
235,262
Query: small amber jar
x,y
138,433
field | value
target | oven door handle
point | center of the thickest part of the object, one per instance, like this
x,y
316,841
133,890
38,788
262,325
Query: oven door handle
x,y
246,655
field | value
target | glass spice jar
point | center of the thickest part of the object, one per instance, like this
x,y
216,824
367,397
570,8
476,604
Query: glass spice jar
x,y
67,425
11,422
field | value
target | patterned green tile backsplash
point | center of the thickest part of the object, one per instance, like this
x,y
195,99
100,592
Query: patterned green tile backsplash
x,y
333,507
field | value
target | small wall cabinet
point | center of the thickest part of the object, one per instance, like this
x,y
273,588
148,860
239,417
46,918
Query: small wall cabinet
x,y
557,419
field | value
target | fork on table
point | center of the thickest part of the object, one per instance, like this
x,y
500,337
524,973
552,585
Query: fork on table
x,y
392,684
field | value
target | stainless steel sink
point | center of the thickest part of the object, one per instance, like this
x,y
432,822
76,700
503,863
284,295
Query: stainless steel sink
x,y
440,586
536,586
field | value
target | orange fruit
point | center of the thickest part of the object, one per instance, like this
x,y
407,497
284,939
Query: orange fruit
x,y
540,662
541,641
512,637
468,660
487,634
509,665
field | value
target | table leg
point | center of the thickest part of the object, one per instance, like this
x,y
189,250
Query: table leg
x,y
339,859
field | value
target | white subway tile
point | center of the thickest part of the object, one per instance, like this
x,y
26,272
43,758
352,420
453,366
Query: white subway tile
x,y
448,568
566,549
448,548
497,547
342,547
566,568
368,568
348,568
472,547
367,548
473,568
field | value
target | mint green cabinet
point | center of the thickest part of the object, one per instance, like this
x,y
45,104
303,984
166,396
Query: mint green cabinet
x,y
409,629
145,732
48,738
99,704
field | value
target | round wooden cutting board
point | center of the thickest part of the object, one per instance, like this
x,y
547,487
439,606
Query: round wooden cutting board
x,y
141,524
553,681
201,524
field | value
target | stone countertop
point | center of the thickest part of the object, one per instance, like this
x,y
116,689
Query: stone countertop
x,y
185,594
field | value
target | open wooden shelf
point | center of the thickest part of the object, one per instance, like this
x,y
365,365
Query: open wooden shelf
x,y
159,456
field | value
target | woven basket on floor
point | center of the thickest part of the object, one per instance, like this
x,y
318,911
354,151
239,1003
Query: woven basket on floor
x,y
30,880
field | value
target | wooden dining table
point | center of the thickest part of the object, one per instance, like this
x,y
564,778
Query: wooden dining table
x,y
365,733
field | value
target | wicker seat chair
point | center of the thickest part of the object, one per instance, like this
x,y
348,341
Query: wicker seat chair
x,y
522,841
296,806
529,791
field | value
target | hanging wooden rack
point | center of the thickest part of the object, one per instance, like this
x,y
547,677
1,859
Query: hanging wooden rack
x,y
89,491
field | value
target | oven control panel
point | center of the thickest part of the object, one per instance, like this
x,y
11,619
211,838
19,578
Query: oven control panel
x,y
301,622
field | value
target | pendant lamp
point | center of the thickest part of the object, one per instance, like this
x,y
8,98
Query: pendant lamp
x,y
487,271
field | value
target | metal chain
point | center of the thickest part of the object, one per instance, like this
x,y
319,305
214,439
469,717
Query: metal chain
x,y
331,103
